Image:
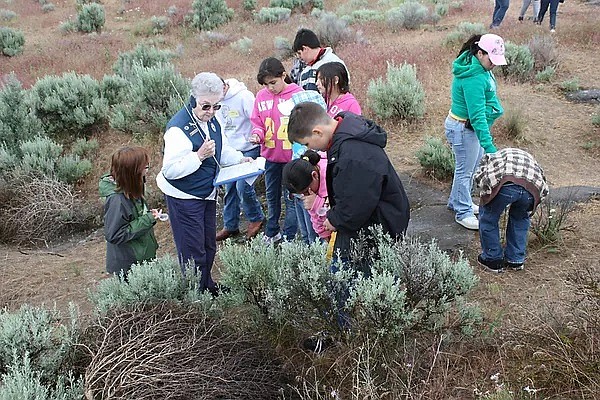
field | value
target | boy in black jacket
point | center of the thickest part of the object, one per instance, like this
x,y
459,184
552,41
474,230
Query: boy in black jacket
x,y
362,185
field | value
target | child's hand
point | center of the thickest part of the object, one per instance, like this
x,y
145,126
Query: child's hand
x,y
207,150
309,199
246,159
328,226
156,213
254,138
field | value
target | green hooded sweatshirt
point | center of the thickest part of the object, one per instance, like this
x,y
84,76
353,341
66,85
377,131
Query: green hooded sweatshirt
x,y
474,97
128,228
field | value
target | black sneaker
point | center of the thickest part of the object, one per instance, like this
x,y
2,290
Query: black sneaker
x,y
513,266
318,343
520,18
491,266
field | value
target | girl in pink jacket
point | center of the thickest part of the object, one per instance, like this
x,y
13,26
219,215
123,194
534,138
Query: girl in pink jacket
x,y
269,129
333,83
306,177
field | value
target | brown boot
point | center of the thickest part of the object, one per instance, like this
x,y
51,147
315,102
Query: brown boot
x,y
224,234
253,229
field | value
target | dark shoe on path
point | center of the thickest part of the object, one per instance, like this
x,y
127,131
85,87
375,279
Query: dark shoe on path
x,y
496,267
520,19
224,234
253,229
513,266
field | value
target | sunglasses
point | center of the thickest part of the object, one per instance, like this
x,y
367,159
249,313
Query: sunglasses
x,y
206,107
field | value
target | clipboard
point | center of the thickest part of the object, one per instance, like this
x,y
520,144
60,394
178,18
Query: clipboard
x,y
248,171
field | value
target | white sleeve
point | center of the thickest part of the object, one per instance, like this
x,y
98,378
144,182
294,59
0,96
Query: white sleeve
x,y
229,155
179,160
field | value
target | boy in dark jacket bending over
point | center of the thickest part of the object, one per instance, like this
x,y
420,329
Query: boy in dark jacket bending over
x,y
363,187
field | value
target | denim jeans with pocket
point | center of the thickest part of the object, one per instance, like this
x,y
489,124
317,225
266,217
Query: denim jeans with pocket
x,y
520,202
304,223
275,190
467,154
238,192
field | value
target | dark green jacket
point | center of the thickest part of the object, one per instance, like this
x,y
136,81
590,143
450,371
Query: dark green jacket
x,y
474,97
128,228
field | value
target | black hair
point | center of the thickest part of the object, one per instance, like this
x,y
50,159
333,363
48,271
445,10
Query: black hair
x,y
472,46
297,174
271,67
327,73
305,37
303,118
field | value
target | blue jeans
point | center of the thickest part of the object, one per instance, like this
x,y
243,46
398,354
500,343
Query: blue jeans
x,y
499,11
553,5
240,190
521,205
275,189
304,223
467,153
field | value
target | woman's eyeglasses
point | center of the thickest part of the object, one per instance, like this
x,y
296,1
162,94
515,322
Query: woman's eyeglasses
x,y
206,107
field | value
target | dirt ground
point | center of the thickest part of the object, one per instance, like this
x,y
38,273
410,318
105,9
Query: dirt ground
x,y
558,133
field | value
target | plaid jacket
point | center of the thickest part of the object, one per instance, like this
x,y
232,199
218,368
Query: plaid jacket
x,y
510,165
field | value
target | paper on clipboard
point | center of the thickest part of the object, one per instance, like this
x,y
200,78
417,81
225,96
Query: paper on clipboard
x,y
248,171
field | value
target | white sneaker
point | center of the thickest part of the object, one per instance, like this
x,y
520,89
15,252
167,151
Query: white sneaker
x,y
470,222
475,209
273,239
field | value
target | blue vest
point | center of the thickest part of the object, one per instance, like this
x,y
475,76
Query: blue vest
x,y
200,182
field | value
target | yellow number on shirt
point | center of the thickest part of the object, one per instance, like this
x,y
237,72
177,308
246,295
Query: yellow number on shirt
x,y
281,133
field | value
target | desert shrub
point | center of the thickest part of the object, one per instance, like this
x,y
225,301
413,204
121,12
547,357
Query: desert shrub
x,y
113,88
570,85
36,334
39,157
545,75
142,55
463,32
216,39
520,62
11,41
289,4
151,100
43,209
48,7
272,15
544,51
283,47
159,24
596,119
85,148
364,15
242,46
410,15
249,5
163,350
69,106
207,15
68,26
17,122
514,124
551,219
7,15
332,30
436,158
70,168
400,95
441,9
90,18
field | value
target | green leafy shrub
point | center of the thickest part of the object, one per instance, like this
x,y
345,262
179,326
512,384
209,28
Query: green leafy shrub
x,y
544,51
333,30
436,158
249,5
39,157
400,95
113,88
68,26
151,100
71,168
463,32
596,119
84,148
545,75
207,15
159,24
570,85
520,62
17,122
69,106
12,41
242,46
7,15
272,15
365,15
48,7
441,9
283,47
90,18
410,15
142,55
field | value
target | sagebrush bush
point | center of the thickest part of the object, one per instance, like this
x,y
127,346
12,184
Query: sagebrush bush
x,y
283,47
216,39
91,18
12,41
436,158
85,148
142,55
409,15
333,30
70,106
570,85
365,15
71,168
48,7
207,15
545,75
249,5
544,51
400,95
17,122
242,46
35,333
272,15
551,219
68,26
7,15
150,100
519,62
596,119
39,156
463,32
159,24
114,88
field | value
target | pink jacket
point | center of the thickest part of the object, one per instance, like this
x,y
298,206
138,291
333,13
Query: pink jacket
x,y
271,126
320,200
345,102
